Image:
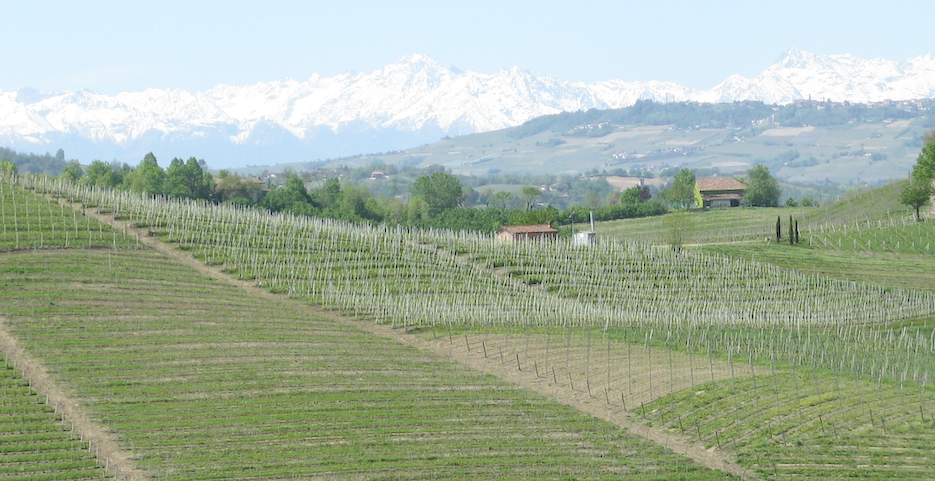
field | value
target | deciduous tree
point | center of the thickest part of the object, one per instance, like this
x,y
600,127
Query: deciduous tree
x,y
925,163
7,167
682,190
232,188
916,194
187,179
762,188
439,191
529,194
73,171
292,197
148,177
500,200
635,195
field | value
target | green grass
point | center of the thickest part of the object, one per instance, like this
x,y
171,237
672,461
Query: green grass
x,y
885,269
32,221
810,424
34,443
880,203
203,381
717,226
705,225
262,364
865,237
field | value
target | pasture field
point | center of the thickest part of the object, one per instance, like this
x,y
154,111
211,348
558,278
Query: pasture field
x,y
866,237
876,204
730,344
202,380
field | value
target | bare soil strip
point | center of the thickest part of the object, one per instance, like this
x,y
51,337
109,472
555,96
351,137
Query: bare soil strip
x,y
118,460
570,391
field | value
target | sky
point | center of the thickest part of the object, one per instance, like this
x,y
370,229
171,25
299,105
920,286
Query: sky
x,y
116,46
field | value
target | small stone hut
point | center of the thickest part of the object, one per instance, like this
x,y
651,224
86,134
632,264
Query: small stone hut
x,y
539,232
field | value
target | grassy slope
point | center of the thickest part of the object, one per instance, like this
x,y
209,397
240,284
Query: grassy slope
x,y
811,424
34,444
865,237
796,442
203,381
729,225
702,226
915,271
739,233
879,203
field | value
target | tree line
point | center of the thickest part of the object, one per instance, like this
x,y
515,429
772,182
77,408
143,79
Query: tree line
x,y
436,200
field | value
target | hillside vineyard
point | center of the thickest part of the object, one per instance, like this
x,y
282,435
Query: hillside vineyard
x,y
767,363
407,278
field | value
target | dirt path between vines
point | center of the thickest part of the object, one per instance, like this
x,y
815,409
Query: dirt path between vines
x,y
116,459
561,390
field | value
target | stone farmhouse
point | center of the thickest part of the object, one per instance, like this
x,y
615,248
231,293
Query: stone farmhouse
x,y
719,192
538,232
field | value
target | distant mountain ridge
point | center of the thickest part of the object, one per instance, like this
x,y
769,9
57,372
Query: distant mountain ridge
x,y
410,102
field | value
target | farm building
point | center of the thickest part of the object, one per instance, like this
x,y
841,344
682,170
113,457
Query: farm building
x,y
719,192
584,238
510,233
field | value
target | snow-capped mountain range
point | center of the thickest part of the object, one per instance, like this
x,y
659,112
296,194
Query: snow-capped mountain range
x,y
410,102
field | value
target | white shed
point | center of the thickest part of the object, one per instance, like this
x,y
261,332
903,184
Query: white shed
x,y
584,238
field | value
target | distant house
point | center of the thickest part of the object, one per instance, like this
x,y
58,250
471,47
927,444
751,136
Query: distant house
x,y
719,192
378,175
540,232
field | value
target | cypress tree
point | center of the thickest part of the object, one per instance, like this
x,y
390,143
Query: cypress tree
x,y
778,228
791,232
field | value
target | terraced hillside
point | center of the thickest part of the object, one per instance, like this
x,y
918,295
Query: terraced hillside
x,y
773,367
202,380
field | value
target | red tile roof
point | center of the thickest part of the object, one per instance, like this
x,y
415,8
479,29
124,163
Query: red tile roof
x,y
522,229
719,183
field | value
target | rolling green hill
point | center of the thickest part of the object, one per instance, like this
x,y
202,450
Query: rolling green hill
x,y
847,145
866,236
247,331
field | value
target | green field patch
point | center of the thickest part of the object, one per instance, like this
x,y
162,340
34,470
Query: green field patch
x,y
34,441
202,390
812,424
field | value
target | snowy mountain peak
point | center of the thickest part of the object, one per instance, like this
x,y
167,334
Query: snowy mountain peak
x,y
411,101
795,58
418,59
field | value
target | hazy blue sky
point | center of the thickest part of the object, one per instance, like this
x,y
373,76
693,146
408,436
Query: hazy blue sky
x,y
114,46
